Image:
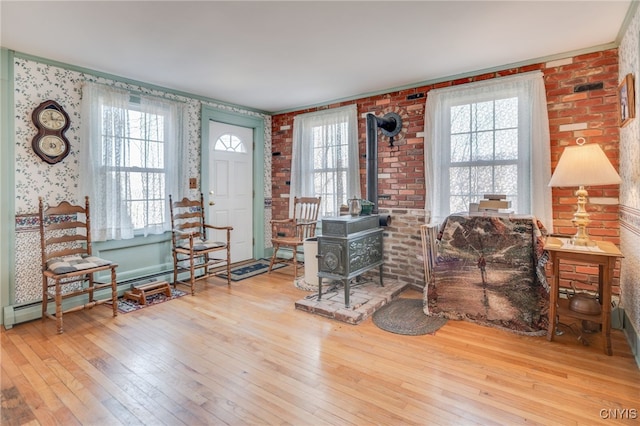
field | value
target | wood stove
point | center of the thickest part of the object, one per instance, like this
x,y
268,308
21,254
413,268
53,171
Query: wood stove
x,y
348,247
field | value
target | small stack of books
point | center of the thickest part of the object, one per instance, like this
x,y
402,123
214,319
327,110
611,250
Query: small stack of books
x,y
494,204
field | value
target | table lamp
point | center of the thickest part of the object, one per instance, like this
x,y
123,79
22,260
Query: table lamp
x,y
583,165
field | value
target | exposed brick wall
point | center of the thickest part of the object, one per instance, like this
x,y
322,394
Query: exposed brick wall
x,y
402,246
593,115
401,167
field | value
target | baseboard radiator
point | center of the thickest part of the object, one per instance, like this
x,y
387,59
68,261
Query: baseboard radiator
x,y
17,314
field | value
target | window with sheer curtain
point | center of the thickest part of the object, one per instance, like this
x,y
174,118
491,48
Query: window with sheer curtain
x,y
325,158
132,161
490,137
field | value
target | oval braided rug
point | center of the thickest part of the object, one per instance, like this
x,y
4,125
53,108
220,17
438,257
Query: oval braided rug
x,y
405,316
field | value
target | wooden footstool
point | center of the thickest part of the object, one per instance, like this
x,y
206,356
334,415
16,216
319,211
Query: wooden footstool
x,y
140,292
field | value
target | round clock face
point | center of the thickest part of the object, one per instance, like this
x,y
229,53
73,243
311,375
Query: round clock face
x,y
50,143
52,119
52,146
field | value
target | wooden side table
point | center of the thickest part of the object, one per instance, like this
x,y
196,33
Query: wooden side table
x,y
604,254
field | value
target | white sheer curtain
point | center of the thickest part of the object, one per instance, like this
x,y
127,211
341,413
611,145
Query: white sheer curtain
x,y
171,157
131,161
318,164
534,158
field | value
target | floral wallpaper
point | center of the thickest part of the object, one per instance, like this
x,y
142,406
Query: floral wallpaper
x,y
629,62
35,82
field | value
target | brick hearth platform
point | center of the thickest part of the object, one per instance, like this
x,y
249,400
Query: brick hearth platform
x,y
365,299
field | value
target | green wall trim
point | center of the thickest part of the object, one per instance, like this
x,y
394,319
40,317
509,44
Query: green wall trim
x,y
210,113
131,81
474,73
7,180
598,48
631,12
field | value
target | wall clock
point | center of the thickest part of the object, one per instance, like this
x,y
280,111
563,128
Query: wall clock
x,y
52,121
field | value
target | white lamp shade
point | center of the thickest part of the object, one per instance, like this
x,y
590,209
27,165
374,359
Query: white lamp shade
x,y
584,165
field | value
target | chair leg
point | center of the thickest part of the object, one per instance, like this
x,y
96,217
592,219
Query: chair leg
x,y
295,262
114,292
90,280
45,296
175,269
273,257
228,266
58,307
192,280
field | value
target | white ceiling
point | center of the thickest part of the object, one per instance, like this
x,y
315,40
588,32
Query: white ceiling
x,y
277,56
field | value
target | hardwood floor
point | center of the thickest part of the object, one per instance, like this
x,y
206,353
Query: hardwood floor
x,y
244,355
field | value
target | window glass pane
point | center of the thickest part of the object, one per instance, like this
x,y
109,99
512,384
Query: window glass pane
x,y
482,178
135,129
342,156
507,144
484,116
341,193
460,148
156,212
237,144
134,153
459,203
318,158
136,212
320,183
460,118
483,147
330,162
108,155
155,155
155,185
459,180
231,143
154,127
136,186
507,179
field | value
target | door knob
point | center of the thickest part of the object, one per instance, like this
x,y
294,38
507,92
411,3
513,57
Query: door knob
x,y
210,192
211,203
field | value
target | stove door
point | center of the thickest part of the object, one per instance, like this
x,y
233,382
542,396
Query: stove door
x,y
332,256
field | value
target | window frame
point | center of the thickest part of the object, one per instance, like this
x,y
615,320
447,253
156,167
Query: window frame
x,y
339,172
105,167
517,199
304,173
134,105
230,147
534,129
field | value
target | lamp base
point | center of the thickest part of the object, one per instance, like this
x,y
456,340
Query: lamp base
x,y
581,220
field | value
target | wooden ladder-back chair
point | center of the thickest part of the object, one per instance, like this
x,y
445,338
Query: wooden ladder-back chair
x,y
292,232
68,266
192,251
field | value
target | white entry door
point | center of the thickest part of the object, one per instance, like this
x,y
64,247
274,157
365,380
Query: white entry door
x,y
230,196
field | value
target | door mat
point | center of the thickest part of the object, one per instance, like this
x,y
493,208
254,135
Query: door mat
x,y
406,316
125,306
250,270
